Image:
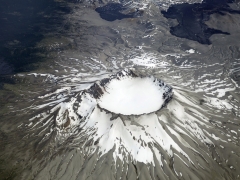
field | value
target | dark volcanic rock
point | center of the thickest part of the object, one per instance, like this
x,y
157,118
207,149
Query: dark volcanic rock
x,y
114,11
192,17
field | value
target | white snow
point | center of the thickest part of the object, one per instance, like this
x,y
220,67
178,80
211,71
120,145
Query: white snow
x,y
149,60
190,51
132,96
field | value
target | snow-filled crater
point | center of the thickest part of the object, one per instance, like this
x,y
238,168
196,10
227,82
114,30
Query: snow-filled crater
x,y
128,94
132,96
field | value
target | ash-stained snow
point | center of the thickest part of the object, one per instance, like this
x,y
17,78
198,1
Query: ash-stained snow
x,y
175,132
181,134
